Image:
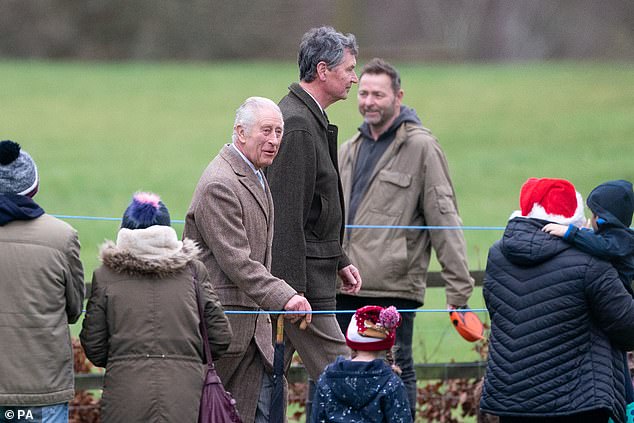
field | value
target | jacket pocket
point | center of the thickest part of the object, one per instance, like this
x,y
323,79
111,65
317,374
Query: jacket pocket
x,y
390,192
399,179
318,216
397,255
445,199
243,327
323,249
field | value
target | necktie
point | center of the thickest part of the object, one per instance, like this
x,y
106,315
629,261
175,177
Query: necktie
x,y
260,178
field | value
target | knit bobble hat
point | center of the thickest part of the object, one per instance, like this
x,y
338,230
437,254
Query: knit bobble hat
x,y
554,200
613,199
145,210
18,172
373,328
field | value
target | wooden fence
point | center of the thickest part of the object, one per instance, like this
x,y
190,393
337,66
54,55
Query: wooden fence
x,y
297,373
428,371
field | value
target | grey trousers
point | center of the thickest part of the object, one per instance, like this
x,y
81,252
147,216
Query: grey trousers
x,y
318,345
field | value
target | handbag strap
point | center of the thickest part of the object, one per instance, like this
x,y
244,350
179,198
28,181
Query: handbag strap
x,y
201,313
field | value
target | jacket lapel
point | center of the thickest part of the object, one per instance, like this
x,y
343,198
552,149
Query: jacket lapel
x,y
248,179
331,134
269,220
305,98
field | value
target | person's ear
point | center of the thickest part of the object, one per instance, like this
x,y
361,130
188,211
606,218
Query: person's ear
x,y
398,99
322,67
242,134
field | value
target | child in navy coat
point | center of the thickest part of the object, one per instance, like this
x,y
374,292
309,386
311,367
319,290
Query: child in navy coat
x,y
612,206
364,388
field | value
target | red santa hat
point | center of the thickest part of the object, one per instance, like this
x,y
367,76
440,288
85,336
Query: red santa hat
x,y
554,200
373,328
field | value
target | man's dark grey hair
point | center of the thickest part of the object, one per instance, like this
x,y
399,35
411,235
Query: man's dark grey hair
x,y
323,44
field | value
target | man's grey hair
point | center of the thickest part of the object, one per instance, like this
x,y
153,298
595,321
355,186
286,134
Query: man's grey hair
x,y
248,112
323,44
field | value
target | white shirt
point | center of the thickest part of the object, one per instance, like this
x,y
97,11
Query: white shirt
x,y
323,112
257,172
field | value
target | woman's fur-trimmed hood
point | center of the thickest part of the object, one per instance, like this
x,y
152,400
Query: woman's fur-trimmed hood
x,y
168,256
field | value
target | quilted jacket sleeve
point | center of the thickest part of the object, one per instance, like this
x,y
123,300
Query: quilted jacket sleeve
x,y
611,305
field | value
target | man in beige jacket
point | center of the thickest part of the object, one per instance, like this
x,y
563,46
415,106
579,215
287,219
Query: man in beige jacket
x,y
231,219
42,285
394,173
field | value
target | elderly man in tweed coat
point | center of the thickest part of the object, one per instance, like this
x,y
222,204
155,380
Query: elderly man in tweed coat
x,y
231,218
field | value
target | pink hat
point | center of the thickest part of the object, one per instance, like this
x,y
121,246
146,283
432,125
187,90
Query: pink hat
x,y
373,328
554,200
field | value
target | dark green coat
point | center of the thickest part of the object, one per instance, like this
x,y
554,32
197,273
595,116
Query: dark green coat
x,y
141,324
308,198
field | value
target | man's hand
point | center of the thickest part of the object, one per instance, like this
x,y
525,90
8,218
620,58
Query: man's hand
x,y
555,229
351,279
452,307
298,303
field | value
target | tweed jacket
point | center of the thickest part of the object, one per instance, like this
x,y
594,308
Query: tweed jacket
x,y
306,189
142,325
560,320
231,218
42,291
410,186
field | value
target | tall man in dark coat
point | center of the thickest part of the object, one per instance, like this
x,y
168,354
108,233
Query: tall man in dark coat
x,y
231,219
306,188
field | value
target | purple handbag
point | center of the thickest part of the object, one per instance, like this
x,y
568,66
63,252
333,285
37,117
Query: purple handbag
x,y
216,404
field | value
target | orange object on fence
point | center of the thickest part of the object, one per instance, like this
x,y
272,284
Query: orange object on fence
x,y
468,324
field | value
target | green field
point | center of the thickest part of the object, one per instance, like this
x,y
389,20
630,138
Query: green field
x,y
100,131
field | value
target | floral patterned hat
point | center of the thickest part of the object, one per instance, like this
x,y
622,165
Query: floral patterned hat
x,y
373,328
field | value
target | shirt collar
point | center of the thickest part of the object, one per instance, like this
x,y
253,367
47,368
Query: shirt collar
x,y
316,102
245,159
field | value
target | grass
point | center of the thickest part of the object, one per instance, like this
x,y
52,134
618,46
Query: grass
x,y
100,131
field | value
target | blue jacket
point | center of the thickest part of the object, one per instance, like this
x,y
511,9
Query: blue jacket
x,y
360,392
560,319
613,203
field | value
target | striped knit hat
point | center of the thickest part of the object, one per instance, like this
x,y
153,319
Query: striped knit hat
x,y
18,172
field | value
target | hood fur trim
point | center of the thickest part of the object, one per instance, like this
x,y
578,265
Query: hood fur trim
x,y
125,261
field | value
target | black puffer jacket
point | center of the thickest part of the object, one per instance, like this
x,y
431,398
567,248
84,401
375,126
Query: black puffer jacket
x,y
558,319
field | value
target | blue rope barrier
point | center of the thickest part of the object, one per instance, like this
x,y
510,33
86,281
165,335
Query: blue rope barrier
x,y
410,310
475,228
